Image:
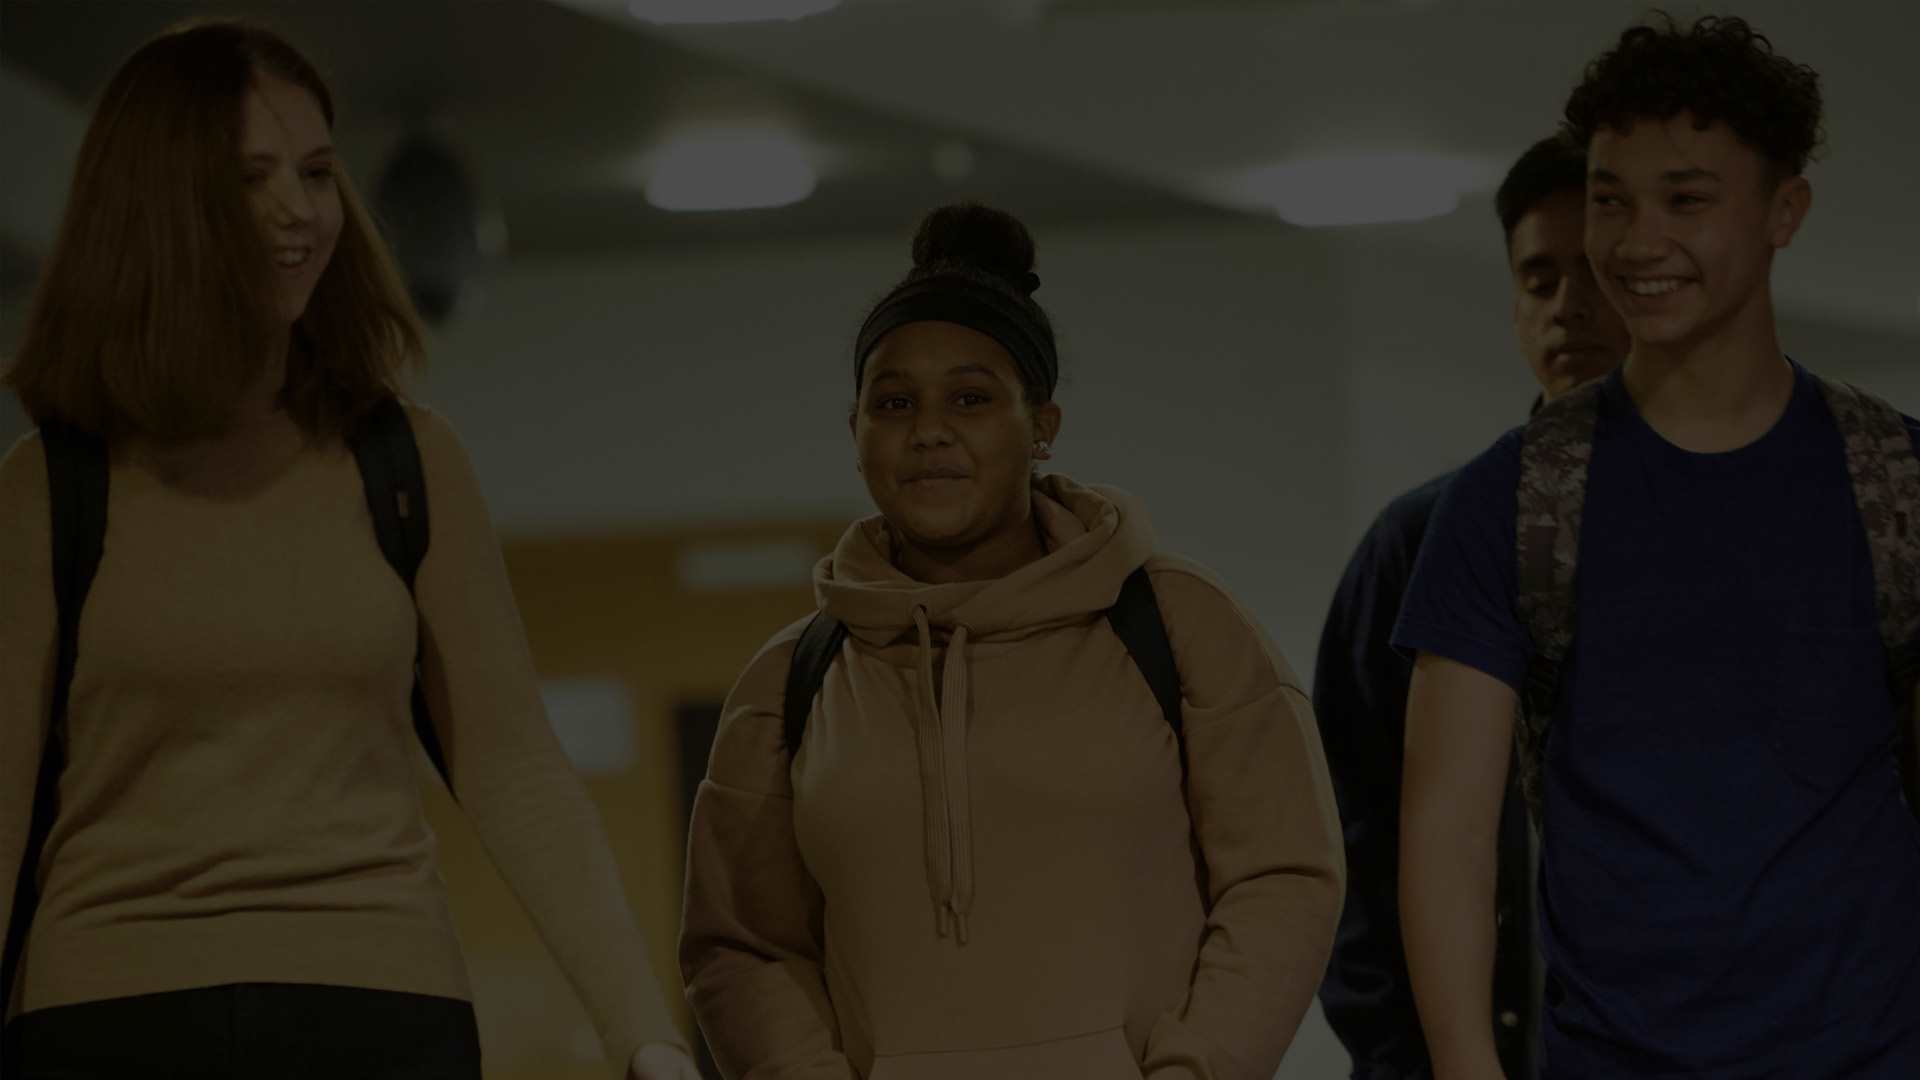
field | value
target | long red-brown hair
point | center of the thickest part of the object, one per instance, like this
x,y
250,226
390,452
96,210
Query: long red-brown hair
x,y
153,314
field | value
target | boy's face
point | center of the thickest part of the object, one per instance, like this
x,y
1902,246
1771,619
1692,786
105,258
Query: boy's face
x,y
1566,329
1682,225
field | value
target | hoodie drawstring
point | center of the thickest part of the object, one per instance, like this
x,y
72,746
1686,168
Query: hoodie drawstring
x,y
940,733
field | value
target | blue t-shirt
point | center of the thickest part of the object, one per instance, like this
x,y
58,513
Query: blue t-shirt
x,y
1730,876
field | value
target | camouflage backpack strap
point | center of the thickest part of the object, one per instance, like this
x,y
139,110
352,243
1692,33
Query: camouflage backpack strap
x,y
1555,450
1886,489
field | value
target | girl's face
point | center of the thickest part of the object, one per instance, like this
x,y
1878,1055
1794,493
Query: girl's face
x,y
287,156
945,437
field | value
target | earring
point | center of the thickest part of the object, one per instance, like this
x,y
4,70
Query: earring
x,y
1040,451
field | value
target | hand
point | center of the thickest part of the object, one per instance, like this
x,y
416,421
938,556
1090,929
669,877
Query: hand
x,y
661,1061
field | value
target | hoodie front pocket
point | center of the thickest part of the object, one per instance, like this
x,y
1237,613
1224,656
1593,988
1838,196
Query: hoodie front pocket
x,y
1101,1055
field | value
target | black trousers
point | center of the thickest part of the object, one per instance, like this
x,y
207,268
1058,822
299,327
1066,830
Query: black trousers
x,y
248,1031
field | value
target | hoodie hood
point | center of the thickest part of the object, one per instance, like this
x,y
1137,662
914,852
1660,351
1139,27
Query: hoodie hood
x,y
1095,537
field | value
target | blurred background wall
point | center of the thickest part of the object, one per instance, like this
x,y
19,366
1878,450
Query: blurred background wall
x,y
656,397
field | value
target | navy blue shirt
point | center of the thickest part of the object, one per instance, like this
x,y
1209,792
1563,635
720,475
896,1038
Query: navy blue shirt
x,y
1360,701
1360,687
1730,875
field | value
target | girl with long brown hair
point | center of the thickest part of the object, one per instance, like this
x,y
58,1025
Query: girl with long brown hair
x,y
238,878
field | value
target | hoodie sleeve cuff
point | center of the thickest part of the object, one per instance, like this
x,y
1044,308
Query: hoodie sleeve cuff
x,y
1175,1052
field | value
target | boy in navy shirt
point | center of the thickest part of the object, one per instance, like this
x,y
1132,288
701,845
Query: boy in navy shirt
x,y
1568,334
1730,876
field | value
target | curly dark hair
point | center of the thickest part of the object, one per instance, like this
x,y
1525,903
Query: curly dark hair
x,y
1721,70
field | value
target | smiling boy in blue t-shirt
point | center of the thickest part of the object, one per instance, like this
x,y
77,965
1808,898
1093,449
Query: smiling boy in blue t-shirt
x,y
1730,877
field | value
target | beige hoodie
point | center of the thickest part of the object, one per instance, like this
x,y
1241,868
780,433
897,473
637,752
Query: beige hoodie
x,y
982,863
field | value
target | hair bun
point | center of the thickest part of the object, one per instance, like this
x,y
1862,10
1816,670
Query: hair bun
x,y
979,237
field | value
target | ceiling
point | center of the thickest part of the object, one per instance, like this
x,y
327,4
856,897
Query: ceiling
x,y
551,108
1181,93
1071,110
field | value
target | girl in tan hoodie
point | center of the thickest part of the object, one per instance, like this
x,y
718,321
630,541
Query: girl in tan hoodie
x,y
987,857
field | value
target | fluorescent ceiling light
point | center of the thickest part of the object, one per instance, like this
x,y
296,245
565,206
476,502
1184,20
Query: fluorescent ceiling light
x,y
742,168
726,11
1360,189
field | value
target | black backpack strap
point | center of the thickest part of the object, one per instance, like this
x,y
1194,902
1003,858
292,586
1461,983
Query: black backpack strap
x,y
812,655
396,486
1886,491
77,505
1136,620
1555,452
1135,617
396,490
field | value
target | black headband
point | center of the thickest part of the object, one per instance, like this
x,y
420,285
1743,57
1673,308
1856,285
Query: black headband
x,y
955,299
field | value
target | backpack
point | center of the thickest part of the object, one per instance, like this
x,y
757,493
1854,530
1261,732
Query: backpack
x,y
1556,450
389,461
1134,616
